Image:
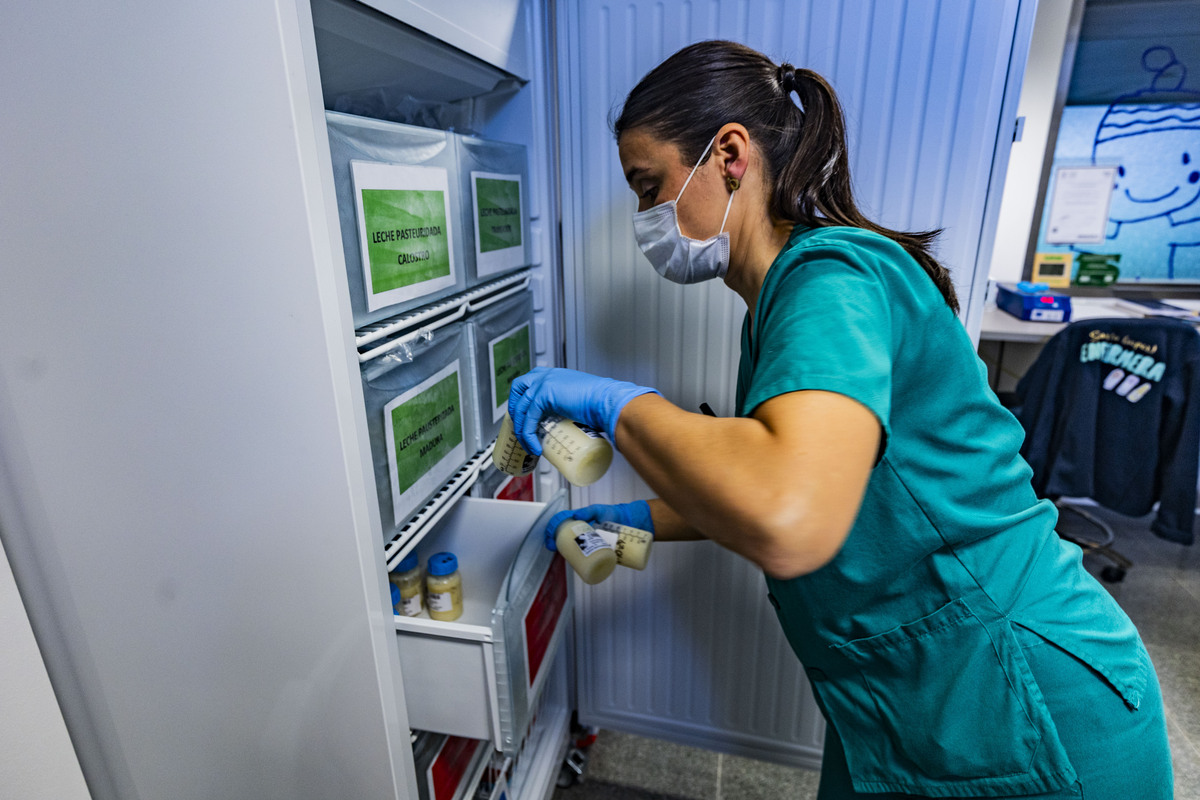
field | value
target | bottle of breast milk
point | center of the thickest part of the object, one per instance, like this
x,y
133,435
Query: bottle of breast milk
x,y
410,581
444,586
632,545
592,558
508,455
580,453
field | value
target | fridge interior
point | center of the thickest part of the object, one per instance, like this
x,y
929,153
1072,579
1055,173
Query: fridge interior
x,y
473,676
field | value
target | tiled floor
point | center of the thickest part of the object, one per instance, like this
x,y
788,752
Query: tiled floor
x,y
1161,593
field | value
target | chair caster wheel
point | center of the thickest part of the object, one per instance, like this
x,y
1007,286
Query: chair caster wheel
x,y
1113,574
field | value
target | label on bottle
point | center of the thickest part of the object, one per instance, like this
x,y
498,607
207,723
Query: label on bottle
x,y
590,431
441,601
548,422
614,530
590,542
631,544
412,606
613,540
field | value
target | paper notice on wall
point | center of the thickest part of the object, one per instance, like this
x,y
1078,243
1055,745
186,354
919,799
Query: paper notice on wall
x,y
1079,207
405,231
424,437
499,243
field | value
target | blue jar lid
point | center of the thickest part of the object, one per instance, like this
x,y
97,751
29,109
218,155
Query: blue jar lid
x,y
407,563
442,564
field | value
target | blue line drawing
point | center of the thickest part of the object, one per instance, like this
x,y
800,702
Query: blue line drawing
x,y
1152,136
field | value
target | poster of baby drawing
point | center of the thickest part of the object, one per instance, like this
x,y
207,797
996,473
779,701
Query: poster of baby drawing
x,y
1150,139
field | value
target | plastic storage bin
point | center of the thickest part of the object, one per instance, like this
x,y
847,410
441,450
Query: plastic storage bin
x,y
420,403
502,346
398,194
480,676
494,177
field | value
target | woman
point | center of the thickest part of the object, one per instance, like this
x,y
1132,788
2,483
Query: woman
x,y
954,643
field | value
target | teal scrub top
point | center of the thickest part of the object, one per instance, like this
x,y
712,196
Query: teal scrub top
x,y
907,634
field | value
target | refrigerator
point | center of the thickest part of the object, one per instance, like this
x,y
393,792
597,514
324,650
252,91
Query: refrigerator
x,y
188,492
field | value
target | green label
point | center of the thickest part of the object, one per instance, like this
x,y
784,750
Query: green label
x,y
425,428
1097,269
407,238
511,358
498,213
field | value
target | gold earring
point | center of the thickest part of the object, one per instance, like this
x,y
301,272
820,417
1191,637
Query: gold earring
x,y
733,183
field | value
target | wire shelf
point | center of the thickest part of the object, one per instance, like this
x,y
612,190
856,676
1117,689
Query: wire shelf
x,y
390,333
413,531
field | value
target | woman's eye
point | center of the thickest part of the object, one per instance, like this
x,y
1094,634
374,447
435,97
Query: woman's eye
x,y
649,195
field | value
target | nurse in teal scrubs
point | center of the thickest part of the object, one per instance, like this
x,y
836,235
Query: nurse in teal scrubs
x,y
954,643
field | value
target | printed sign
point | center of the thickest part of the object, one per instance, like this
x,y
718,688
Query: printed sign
x,y
424,438
448,771
515,488
510,355
405,231
1079,210
498,240
541,620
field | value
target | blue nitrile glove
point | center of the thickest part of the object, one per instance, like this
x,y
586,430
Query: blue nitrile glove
x,y
635,515
594,401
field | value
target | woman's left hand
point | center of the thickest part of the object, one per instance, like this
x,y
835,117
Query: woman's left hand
x,y
596,402
635,515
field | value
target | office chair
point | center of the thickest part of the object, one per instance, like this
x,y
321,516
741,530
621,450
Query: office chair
x,y
1111,411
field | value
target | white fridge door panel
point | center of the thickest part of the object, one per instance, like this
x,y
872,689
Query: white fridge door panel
x,y
181,465
690,649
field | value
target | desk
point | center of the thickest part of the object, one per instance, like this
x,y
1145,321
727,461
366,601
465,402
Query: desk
x,y
1000,326
1008,346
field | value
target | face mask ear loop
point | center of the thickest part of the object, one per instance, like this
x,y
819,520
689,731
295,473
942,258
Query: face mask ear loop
x,y
698,163
728,206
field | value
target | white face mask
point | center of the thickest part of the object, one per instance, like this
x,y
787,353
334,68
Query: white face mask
x,y
675,256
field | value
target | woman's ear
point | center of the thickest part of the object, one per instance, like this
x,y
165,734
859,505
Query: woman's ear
x,y
733,150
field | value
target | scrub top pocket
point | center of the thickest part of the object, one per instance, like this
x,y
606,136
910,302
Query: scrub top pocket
x,y
944,706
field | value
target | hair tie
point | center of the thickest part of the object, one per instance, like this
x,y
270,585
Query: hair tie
x,y
786,75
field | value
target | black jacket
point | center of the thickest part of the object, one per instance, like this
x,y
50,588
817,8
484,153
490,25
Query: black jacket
x,y
1111,410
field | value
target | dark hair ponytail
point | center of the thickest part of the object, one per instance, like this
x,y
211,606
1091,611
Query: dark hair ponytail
x,y
688,97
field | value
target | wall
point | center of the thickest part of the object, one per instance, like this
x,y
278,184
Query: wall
x,y
1042,79
1115,33
1111,40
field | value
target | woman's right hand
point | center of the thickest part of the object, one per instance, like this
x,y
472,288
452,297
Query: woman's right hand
x,y
635,515
579,396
